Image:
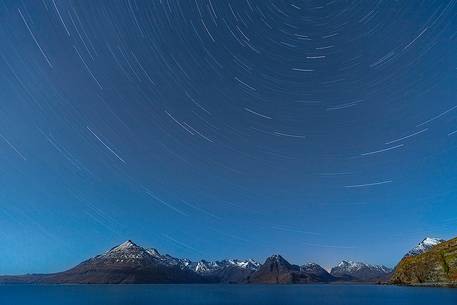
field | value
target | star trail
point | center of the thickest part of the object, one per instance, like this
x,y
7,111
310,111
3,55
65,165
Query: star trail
x,y
212,128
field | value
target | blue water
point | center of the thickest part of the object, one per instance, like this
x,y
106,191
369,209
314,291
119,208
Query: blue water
x,y
224,295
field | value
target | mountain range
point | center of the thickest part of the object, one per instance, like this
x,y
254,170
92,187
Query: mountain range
x,y
432,260
129,263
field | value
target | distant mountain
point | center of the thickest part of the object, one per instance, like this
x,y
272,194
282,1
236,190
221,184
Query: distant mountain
x,y
317,270
357,271
277,270
424,246
435,267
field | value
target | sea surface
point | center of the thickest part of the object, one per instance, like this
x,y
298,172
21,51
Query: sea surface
x,y
224,295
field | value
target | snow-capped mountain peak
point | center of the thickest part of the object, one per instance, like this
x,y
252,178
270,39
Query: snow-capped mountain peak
x,y
124,246
360,270
127,252
432,241
425,245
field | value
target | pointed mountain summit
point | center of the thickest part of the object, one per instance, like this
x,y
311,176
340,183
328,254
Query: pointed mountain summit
x,y
126,253
274,270
277,270
278,259
425,245
125,246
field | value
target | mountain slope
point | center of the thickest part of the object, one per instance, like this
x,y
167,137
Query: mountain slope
x,y
437,266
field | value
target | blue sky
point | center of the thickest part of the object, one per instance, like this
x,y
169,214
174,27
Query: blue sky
x,y
319,130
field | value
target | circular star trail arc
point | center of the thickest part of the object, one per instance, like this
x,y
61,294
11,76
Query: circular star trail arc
x,y
208,119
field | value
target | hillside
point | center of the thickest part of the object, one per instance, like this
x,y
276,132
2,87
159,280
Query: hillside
x,y
436,267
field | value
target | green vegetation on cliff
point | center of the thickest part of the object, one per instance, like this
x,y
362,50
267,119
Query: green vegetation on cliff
x,y
438,267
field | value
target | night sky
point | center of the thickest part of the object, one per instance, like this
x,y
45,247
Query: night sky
x,y
321,130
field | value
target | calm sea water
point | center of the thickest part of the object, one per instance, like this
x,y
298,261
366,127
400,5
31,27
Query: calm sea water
x,y
224,295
